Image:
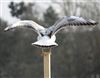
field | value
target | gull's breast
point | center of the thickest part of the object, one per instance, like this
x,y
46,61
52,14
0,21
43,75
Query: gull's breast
x,y
45,42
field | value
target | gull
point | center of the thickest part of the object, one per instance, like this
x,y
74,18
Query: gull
x,y
46,36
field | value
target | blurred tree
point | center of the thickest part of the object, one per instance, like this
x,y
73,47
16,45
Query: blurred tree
x,y
83,42
17,9
25,12
77,55
4,55
24,56
50,16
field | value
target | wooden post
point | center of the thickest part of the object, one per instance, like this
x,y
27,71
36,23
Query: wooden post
x,y
47,62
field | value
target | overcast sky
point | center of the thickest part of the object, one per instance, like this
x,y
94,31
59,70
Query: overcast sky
x,y
5,11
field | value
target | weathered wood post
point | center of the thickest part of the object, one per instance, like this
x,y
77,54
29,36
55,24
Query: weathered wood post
x,y
46,53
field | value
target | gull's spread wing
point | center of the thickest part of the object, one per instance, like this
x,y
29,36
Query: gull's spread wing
x,y
70,21
28,24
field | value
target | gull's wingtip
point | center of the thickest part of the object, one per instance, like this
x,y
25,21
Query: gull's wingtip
x,y
6,29
94,22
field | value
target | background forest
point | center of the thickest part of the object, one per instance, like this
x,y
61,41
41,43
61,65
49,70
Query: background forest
x,y
78,53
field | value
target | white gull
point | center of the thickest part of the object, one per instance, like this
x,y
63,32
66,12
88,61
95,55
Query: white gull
x,y
46,36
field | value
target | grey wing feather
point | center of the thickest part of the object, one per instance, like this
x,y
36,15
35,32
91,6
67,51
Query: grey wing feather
x,y
70,21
